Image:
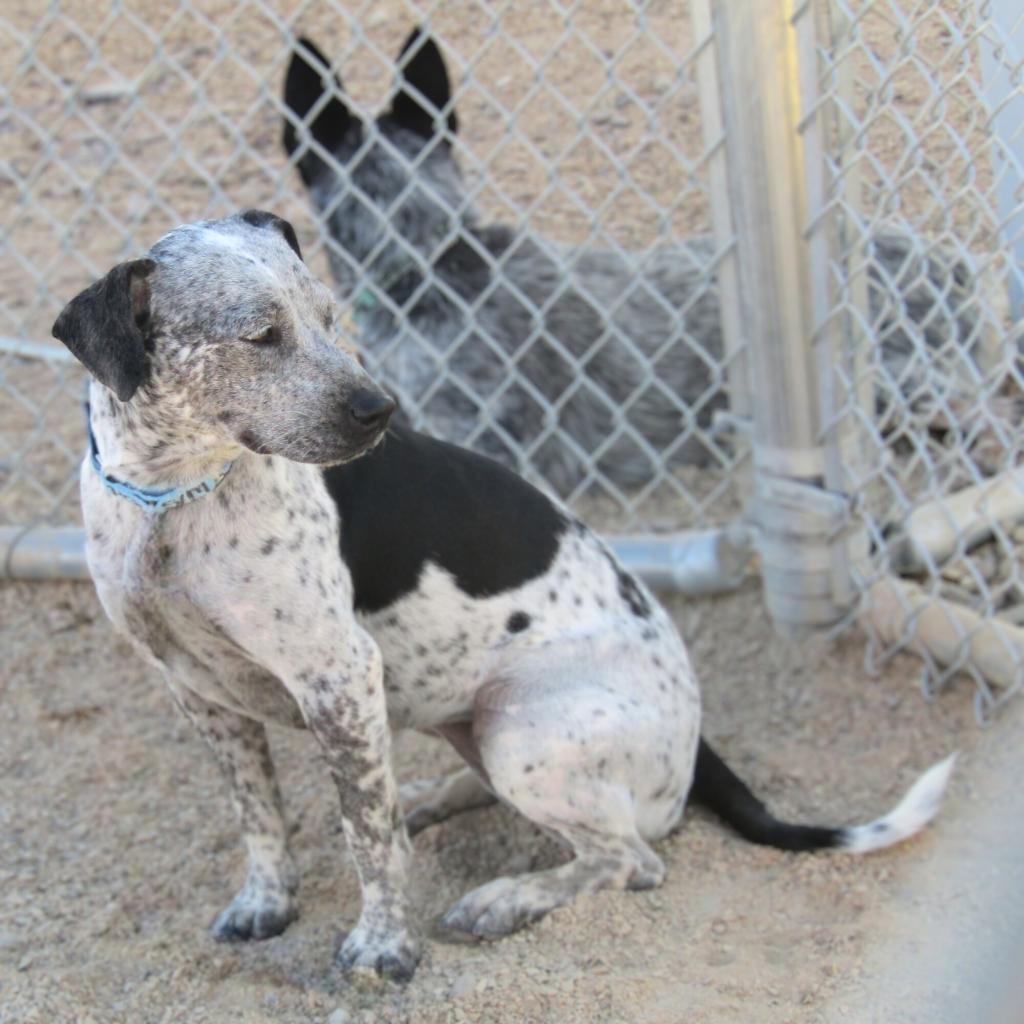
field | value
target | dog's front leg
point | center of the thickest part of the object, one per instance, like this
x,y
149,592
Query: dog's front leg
x,y
344,707
265,905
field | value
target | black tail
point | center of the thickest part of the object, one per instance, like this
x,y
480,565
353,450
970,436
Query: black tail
x,y
718,788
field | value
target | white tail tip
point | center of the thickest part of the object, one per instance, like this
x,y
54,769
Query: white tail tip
x,y
910,815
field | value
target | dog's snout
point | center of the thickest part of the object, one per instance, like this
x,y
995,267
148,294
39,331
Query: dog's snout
x,y
371,409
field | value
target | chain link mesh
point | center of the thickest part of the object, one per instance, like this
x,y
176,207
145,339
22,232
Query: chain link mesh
x,y
926,111
580,131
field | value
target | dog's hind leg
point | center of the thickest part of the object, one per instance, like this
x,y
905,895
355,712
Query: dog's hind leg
x,y
426,802
266,904
537,763
608,854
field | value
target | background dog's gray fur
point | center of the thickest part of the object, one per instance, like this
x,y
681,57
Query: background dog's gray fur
x,y
553,358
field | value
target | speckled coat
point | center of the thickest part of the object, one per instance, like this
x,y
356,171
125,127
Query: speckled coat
x,y
513,633
350,578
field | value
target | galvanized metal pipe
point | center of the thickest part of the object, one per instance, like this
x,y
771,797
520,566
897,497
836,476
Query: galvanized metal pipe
x,y
695,562
43,553
763,52
698,562
1006,101
759,77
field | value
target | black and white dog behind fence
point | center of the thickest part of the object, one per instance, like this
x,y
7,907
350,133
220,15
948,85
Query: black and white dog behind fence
x,y
263,537
581,358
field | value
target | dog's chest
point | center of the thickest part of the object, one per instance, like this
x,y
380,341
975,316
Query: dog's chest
x,y
207,591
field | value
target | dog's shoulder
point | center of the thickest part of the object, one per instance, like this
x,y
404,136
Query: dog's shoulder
x,y
414,500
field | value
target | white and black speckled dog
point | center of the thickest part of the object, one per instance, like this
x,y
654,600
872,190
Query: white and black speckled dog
x,y
410,584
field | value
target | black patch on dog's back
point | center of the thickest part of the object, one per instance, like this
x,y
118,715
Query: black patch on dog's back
x,y
414,499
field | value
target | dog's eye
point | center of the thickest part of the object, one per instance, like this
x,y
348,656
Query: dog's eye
x,y
265,337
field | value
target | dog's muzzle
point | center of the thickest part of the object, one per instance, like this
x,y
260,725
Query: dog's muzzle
x,y
369,411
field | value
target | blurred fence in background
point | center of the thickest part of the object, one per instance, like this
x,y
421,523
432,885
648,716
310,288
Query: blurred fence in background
x,y
919,111
814,208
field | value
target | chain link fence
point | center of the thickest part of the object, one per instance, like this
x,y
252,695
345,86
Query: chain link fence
x,y
580,137
922,110
700,264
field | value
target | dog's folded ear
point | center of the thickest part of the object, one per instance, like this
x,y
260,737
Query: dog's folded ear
x,y
308,79
261,218
106,327
422,67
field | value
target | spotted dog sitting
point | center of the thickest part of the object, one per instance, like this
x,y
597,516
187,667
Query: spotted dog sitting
x,y
263,538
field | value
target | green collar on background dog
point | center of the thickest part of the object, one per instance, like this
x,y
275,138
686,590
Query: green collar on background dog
x,y
363,305
368,298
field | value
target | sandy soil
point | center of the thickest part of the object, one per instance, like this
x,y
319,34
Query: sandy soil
x,y
118,847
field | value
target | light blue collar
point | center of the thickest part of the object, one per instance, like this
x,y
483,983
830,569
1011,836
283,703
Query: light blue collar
x,y
156,502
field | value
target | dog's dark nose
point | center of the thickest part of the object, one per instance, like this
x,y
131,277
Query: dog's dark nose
x,y
371,409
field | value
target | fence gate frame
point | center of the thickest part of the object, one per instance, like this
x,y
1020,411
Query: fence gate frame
x,y
774,200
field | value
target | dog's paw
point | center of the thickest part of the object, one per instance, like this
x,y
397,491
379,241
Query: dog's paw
x,y
423,817
255,913
492,911
392,955
419,807
427,802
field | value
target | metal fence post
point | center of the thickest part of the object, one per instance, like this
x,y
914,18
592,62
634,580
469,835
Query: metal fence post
x,y
799,520
724,233
838,243
1006,98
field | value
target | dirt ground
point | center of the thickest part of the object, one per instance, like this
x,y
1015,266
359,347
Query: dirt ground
x,y
118,847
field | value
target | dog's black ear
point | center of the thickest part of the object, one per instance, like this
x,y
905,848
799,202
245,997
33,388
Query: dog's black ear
x,y
309,77
106,327
261,219
422,67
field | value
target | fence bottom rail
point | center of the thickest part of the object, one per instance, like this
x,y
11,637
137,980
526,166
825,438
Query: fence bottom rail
x,y
690,562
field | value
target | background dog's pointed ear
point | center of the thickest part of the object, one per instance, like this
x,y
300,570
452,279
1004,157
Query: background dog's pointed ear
x,y
421,66
106,327
308,79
